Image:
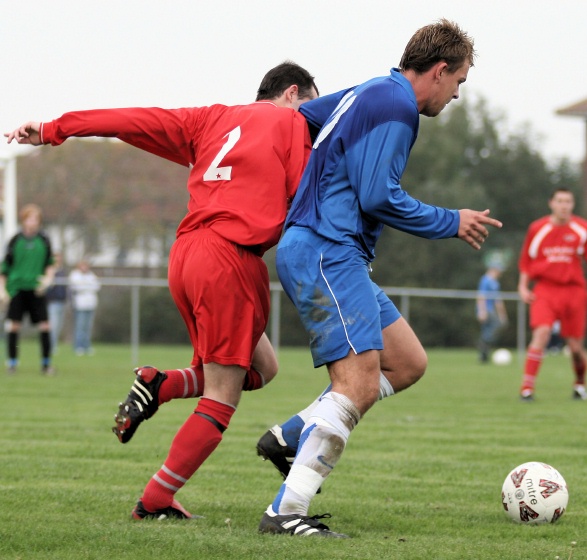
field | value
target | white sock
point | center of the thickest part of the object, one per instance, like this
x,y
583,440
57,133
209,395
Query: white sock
x,y
385,388
322,442
307,412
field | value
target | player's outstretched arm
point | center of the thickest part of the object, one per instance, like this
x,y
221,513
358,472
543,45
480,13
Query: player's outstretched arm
x,y
472,227
27,133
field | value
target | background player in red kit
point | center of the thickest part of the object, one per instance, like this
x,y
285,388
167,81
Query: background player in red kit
x,y
551,258
246,163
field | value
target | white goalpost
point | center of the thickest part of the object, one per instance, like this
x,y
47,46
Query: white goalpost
x,y
8,197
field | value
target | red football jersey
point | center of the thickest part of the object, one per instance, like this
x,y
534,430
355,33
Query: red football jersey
x,y
554,253
246,160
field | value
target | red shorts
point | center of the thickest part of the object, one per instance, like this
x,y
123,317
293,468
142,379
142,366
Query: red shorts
x,y
222,293
567,304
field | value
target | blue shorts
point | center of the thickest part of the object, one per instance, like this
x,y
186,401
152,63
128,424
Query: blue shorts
x,y
341,308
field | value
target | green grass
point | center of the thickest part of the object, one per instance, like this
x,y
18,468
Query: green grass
x,y
420,479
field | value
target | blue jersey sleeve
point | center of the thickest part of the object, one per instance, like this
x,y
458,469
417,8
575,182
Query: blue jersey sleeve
x,y
375,166
351,186
318,110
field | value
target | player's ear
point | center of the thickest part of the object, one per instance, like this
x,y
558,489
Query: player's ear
x,y
291,93
439,69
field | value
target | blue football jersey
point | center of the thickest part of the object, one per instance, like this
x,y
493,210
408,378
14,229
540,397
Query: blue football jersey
x,y
351,186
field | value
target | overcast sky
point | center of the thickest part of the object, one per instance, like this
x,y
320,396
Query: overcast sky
x,y
62,55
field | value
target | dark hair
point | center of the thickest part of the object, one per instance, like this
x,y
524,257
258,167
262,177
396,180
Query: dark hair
x,y
560,190
443,40
286,74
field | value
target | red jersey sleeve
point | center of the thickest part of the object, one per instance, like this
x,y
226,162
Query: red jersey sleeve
x,y
524,261
168,133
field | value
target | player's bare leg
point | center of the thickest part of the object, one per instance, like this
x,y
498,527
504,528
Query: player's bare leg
x,y
357,378
403,358
403,362
264,359
223,383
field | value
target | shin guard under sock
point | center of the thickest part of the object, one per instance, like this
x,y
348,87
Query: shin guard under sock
x,y
321,445
194,442
533,362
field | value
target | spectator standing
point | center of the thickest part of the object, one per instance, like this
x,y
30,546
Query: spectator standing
x,y
491,312
26,274
56,301
84,286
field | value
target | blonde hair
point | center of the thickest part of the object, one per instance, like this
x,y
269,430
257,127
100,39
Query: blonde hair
x,y
29,209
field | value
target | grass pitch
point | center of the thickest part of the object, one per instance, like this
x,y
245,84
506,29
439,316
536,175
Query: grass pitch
x,y
420,479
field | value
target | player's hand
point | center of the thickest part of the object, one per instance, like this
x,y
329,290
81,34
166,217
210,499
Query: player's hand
x,y
482,316
4,296
526,295
43,284
472,227
27,133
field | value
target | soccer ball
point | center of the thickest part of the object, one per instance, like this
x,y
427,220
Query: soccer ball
x,y
534,493
501,357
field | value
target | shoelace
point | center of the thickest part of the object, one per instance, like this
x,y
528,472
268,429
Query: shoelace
x,y
317,523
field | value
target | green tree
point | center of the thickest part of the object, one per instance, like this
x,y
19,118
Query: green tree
x,y
105,187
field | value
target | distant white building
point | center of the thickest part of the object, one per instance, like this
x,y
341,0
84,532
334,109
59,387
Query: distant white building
x,y
147,252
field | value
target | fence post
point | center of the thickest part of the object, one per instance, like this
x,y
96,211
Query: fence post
x,y
275,333
134,324
521,331
405,307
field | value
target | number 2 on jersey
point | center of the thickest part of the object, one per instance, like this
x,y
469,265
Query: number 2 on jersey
x,y
216,173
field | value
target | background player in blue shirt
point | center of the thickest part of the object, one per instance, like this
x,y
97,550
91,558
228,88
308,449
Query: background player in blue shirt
x,y
349,191
491,311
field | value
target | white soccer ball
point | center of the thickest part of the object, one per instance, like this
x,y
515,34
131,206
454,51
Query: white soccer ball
x,y
501,357
534,493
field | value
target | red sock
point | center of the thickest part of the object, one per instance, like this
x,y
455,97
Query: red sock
x,y
579,367
194,442
253,380
533,363
185,383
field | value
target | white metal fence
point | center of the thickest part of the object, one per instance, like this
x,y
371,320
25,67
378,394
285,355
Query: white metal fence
x,y
401,297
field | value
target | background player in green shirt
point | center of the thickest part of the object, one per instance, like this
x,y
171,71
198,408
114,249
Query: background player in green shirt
x,y
27,271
